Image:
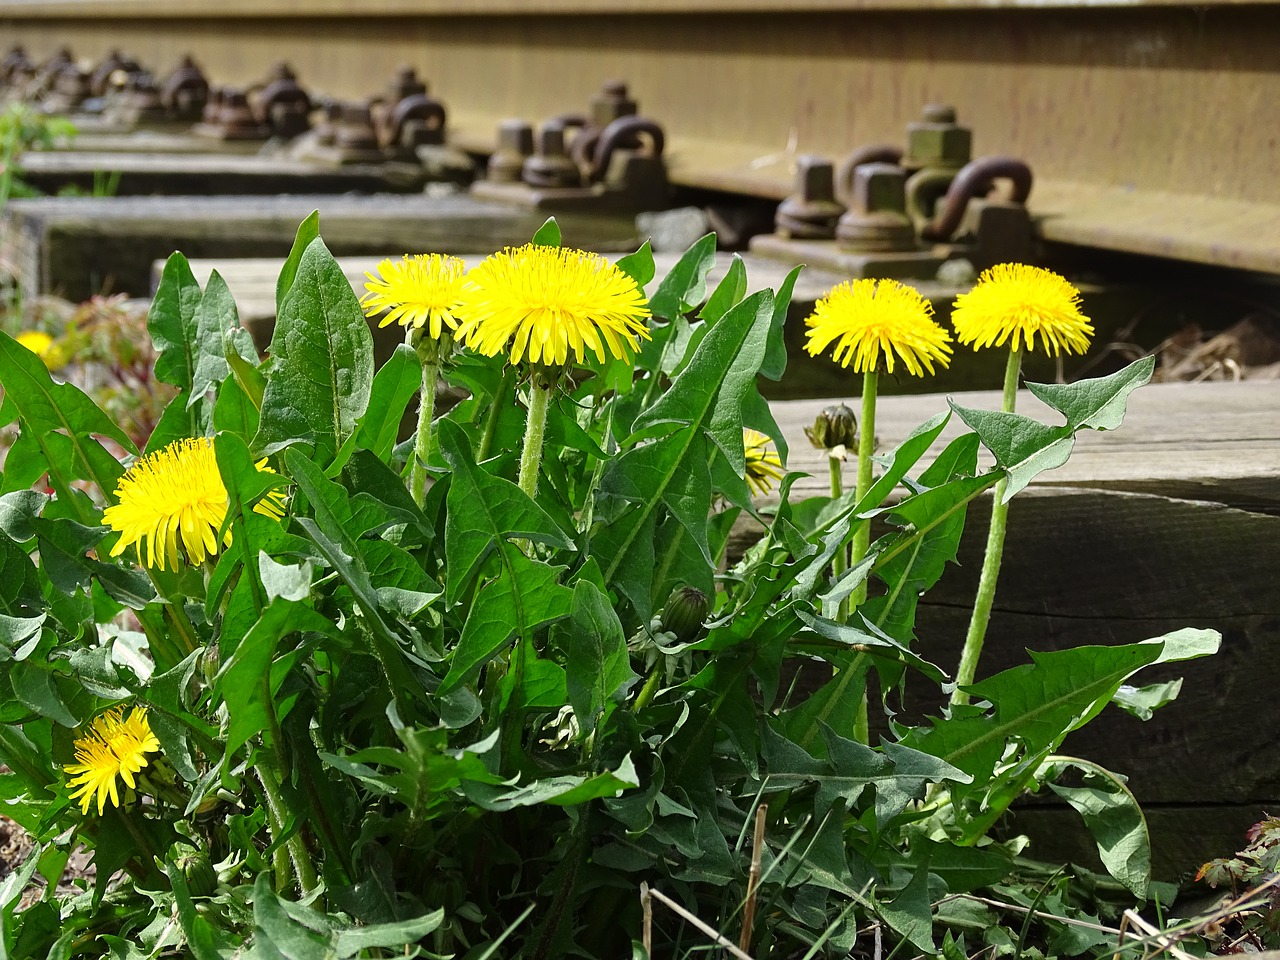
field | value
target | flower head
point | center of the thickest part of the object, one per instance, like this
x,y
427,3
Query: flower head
x,y
1013,302
874,319
419,291
112,747
43,346
176,493
764,466
550,305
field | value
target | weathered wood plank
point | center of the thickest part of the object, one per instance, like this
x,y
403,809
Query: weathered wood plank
x,y
79,246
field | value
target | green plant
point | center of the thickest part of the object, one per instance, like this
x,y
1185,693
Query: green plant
x,y
482,724
24,128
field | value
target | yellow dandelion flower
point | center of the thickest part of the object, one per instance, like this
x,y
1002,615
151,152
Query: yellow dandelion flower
x,y
112,747
1013,302
551,304
764,466
37,341
419,291
875,320
176,494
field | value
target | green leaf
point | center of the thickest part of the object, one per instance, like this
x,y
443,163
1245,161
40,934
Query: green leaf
x,y
525,595
322,370
202,938
242,679
172,324
727,294
215,315
17,509
597,665
234,412
566,791
638,266
1098,404
911,912
63,548
393,387
1023,447
548,235
46,406
1112,815
1143,702
33,685
483,513
685,286
775,358
308,230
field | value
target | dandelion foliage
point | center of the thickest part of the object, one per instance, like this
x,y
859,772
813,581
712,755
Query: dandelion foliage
x,y
340,722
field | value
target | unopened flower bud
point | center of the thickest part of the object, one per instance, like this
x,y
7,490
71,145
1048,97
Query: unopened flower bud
x,y
686,608
197,869
835,426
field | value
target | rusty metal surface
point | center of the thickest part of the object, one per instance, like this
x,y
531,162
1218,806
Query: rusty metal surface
x,y
1144,100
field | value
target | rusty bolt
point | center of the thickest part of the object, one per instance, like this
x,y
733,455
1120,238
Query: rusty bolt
x,y
611,103
812,211
515,142
936,140
550,166
877,220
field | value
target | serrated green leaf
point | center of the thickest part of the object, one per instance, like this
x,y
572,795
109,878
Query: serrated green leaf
x,y
911,912
638,266
775,358
1023,447
215,315
17,509
566,791
547,235
322,370
685,286
727,294
484,512
525,595
597,665
1098,404
234,412
394,386
172,324
1112,815
308,230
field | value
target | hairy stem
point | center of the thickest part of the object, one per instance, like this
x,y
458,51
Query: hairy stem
x,y
429,352
982,604
531,455
862,538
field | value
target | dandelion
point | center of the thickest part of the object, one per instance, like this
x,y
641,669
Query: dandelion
x,y
875,323
422,293
548,307
764,466
176,497
419,291
113,747
43,346
1013,302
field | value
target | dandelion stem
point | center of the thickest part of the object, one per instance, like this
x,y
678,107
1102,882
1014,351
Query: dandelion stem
x,y
840,563
491,420
982,604
862,537
429,352
292,851
531,455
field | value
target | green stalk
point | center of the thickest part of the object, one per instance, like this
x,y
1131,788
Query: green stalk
x,y
862,537
429,352
840,564
535,429
982,604
293,851
491,420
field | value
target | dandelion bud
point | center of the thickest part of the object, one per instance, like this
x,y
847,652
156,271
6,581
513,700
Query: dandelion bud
x,y
686,608
835,426
197,869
